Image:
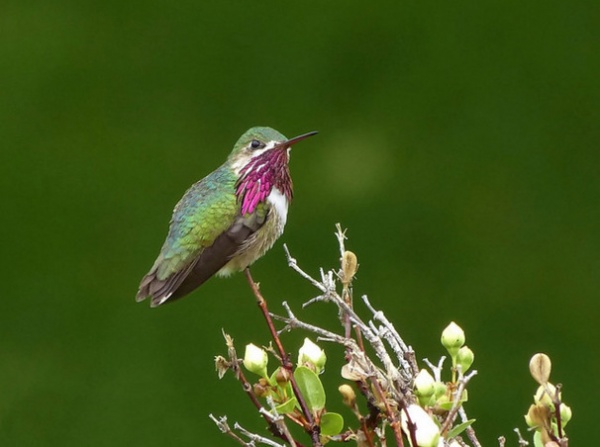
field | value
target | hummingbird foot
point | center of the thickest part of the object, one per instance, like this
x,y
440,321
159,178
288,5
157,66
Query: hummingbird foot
x,y
255,286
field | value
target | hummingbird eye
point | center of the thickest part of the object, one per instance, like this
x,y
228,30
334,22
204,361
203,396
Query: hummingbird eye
x,y
255,144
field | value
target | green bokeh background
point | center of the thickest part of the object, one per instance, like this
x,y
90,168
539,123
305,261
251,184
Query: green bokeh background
x,y
458,142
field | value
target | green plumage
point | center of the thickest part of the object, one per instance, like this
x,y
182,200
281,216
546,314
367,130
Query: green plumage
x,y
205,211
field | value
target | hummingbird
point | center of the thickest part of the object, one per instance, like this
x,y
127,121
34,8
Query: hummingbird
x,y
227,220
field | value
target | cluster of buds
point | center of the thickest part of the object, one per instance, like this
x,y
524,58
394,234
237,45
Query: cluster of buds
x,y
453,339
436,393
435,396
548,415
277,386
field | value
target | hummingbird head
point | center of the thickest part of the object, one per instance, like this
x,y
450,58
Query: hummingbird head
x,y
261,142
260,159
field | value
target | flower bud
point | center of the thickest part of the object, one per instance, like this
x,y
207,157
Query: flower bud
x,y
453,337
427,433
440,389
282,376
349,266
565,414
537,416
465,358
260,390
348,395
255,360
311,355
424,384
540,367
542,397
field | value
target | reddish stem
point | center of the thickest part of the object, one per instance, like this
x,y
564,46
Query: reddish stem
x,y
312,428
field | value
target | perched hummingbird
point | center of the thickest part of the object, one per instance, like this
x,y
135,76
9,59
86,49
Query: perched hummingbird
x,y
227,220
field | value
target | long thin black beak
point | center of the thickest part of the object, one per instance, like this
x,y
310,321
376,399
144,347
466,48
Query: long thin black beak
x,y
292,141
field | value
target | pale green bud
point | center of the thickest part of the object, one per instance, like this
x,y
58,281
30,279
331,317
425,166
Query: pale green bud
x,y
565,414
453,337
427,401
311,355
440,389
256,359
542,397
465,358
424,384
427,433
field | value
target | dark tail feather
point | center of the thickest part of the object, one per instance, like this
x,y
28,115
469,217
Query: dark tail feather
x,y
161,290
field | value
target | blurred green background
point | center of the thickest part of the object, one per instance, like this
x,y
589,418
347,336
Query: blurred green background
x,y
458,143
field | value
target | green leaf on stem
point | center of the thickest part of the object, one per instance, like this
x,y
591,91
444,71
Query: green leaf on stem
x,y
331,424
311,388
287,407
459,429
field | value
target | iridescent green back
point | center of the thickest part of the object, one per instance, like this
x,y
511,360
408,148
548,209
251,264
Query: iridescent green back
x,y
205,211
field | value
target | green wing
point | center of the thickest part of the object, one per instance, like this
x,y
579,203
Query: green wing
x,y
204,214
206,211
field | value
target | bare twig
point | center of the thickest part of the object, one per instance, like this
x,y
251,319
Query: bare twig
x,y
256,438
341,237
522,442
294,265
278,419
436,370
224,427
469,430
389,333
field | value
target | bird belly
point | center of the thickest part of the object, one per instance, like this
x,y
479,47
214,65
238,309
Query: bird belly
x,y
263,239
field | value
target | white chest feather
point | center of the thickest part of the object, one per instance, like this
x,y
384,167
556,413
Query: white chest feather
x,y
280,203
263,239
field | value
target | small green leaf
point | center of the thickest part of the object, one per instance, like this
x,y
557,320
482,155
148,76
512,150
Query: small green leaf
x,y
310,387
287,407
331,424
459,428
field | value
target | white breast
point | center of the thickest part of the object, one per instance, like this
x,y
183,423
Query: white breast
x,y
280,203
